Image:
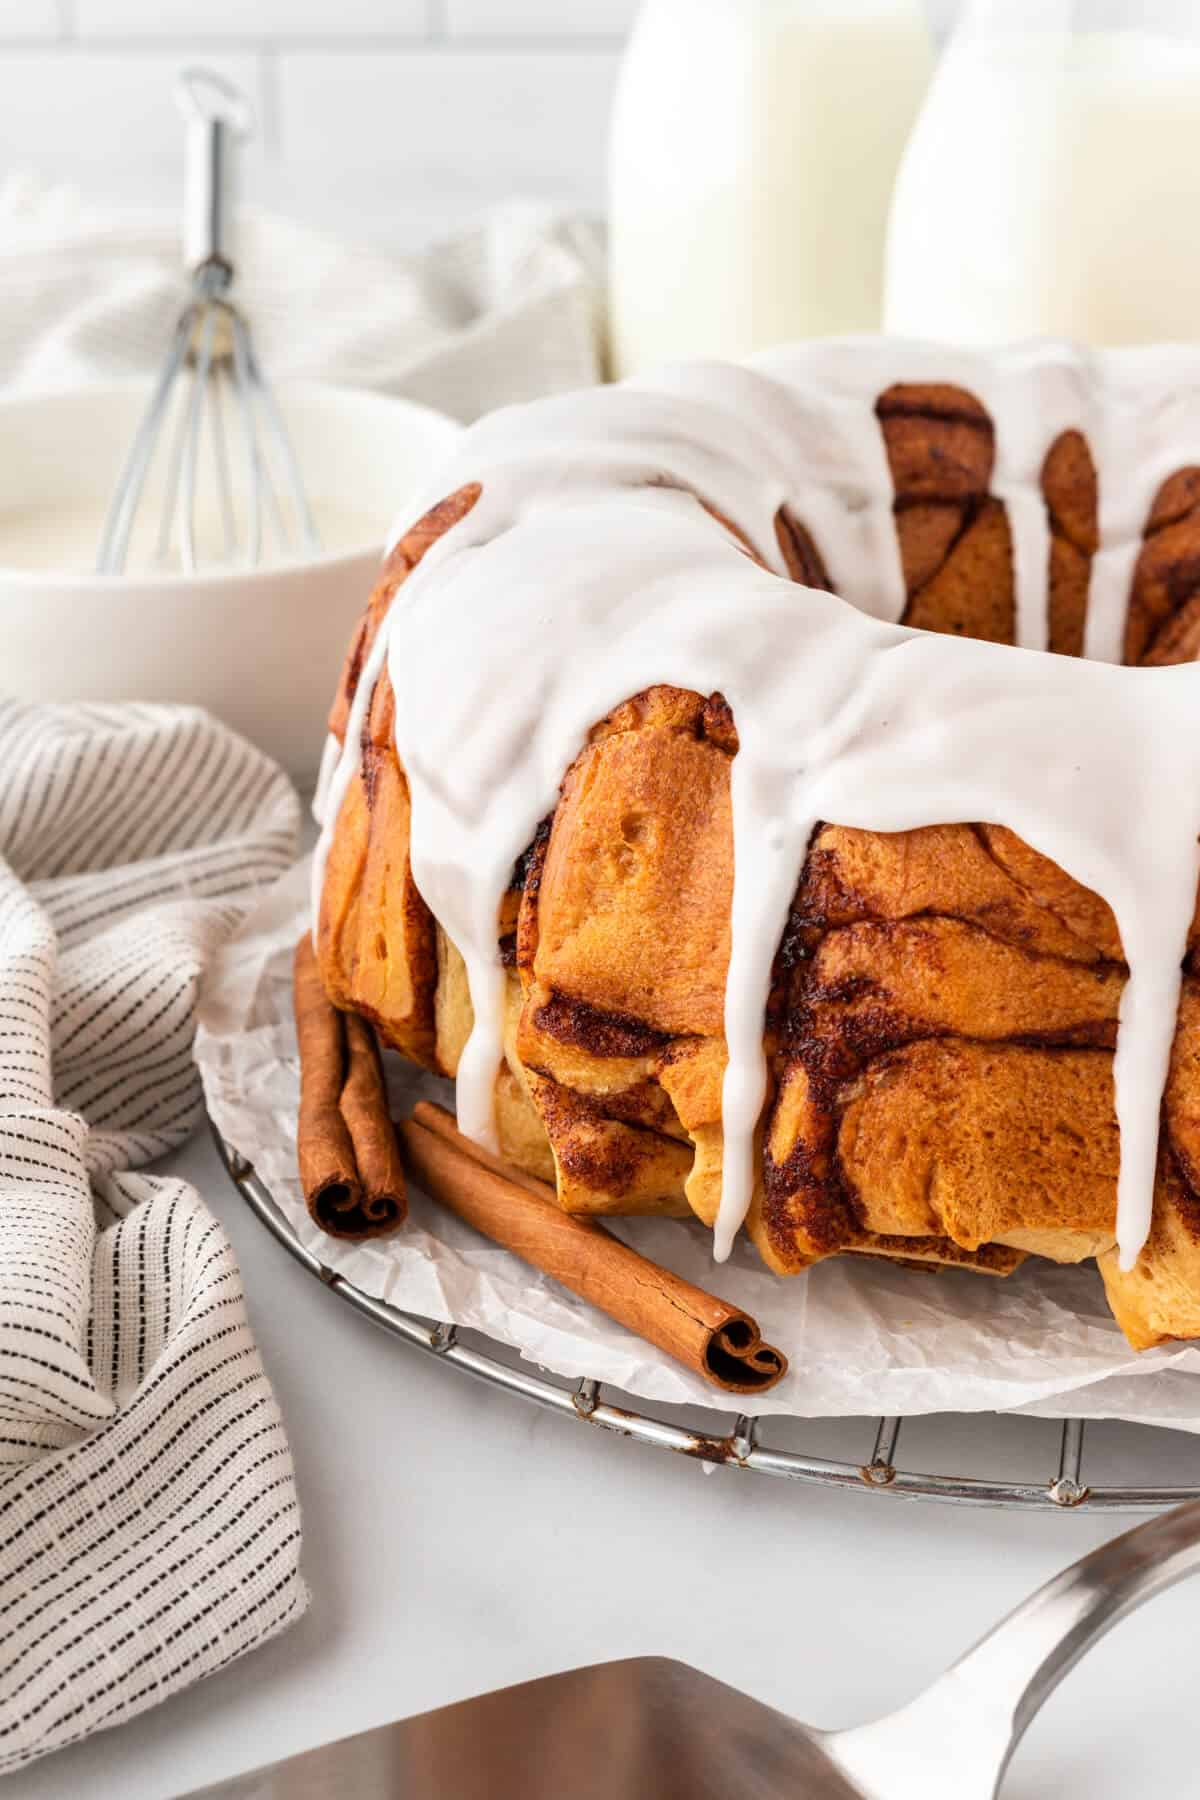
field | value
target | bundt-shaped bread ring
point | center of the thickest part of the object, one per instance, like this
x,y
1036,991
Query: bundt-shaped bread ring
x,y
945,1000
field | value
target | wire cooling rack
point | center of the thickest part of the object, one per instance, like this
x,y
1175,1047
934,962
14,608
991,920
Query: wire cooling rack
x,y
744,1444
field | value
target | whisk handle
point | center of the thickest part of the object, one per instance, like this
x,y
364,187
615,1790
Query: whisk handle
x,y
217,115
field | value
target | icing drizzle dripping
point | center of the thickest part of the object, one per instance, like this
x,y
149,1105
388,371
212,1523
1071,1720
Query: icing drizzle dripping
x,y
588,571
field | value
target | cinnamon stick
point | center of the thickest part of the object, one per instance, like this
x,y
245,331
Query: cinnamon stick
x,y
709,1336
436,1118
350,1164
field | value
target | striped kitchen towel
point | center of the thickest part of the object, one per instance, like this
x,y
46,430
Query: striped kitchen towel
x,y
149,1530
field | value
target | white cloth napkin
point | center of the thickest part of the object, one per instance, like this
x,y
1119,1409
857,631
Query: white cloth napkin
x,y
503,312
149,1530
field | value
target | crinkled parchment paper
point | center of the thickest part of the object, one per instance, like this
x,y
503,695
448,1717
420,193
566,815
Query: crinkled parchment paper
x,y
862,1337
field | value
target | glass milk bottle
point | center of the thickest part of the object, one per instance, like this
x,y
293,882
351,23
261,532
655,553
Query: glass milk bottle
x,y
1052,183
754,145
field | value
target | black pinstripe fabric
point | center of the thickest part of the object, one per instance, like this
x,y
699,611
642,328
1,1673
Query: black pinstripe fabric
x,y
149,1530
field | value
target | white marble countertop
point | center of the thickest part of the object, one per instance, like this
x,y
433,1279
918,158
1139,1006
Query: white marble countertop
x,y
457,1540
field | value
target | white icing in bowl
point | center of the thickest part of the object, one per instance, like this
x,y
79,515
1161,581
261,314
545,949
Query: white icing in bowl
x,y
255,646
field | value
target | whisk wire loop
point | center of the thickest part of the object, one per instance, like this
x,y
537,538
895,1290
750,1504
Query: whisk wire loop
x,y
114,543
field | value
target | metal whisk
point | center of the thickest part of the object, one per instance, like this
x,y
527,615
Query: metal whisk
x,y
211,367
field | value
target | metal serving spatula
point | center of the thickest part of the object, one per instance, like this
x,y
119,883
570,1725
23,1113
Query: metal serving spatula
x,y
651,1729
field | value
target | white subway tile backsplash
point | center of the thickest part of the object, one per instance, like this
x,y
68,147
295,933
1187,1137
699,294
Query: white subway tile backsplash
x,y
261,20
29,19
539,18
424,139
386,119
100,102
105,120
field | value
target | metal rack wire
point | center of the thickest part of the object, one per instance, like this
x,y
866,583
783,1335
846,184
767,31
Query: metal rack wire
x,y
743,1445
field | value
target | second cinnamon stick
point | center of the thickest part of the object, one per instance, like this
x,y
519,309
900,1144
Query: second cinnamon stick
x,y
350,1164
718,1341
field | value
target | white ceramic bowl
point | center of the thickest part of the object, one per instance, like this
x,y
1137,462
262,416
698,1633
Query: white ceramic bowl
x,y
261,648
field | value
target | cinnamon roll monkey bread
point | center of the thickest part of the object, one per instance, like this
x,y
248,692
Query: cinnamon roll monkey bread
x,y
774,792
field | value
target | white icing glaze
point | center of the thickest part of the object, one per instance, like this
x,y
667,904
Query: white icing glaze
x,y
587,571
331,756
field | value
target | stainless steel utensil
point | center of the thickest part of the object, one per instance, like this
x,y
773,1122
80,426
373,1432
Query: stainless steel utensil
x,y
651,1727
753,1445
211,362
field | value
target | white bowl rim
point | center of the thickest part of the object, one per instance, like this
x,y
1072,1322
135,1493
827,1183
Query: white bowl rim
x,y
18,399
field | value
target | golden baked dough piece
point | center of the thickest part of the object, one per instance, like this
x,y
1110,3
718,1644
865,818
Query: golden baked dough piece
x,y
1163,621
943,1012
915,1085
1159,1298
376,939
956,549
637,859
955,546
917,1137
1073,505
618,866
